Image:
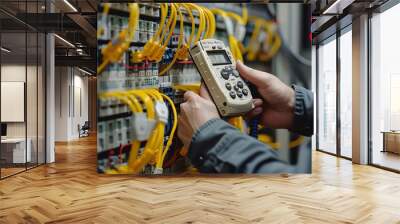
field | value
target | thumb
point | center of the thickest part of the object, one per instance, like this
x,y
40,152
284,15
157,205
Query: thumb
x,y
189,95
257,78
204,92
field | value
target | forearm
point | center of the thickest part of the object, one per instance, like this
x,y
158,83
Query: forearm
x,y
217,147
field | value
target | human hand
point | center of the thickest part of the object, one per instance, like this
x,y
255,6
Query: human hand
x,y
277,104
195,111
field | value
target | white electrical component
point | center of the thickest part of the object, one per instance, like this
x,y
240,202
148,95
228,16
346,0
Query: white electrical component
x,y
217,67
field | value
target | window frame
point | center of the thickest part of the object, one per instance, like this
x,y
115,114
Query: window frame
x,y
381,9
333,37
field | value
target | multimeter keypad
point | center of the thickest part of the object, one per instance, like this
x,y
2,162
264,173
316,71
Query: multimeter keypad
x,y
228,86
240,84
225,74
233,84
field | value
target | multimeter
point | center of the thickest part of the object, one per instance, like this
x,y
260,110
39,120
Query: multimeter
x,y
217,67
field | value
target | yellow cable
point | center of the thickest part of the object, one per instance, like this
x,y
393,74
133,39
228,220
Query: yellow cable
x,y
201,21
157,56
115,48
159,142
135,107
151,45
102,66
192,32
149,150
207,23
240,19
253,46
164,12
106,9
169,23
274,42
212,23
180,41
233,42
182,53
194,87
154,43
171,135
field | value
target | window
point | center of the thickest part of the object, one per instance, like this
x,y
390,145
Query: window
x,y
346,94
385,89
327,96
22,75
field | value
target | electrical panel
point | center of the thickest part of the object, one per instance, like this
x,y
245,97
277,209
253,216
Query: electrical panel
x,y
144,68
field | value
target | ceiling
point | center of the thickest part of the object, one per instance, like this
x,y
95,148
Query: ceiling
x,y
21,20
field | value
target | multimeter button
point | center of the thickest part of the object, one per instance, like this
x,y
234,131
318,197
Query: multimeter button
x,y
236,88
219,47
213,47
240,84
225,74
232,94
239,94
228,86
235,73
228,68
245,92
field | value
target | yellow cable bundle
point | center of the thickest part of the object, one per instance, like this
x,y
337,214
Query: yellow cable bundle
x,y
233,42
151,44
240,31
115,48
155,48
254,46
272,40
170,138
151,145
201,20
134,106
212,23
205,16
188,87
106,9
154,146
182,53
180,41
157,56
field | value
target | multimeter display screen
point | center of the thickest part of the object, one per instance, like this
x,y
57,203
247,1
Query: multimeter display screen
x,y
218,57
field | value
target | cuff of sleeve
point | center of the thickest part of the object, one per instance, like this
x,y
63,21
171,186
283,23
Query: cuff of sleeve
x,y
300,113
197,151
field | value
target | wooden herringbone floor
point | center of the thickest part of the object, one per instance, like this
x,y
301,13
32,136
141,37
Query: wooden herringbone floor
x,y
70,191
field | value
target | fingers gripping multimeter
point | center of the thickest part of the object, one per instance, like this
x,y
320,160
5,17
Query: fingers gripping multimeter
x,y
217,67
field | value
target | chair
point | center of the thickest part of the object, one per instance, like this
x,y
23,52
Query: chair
x,y
84,130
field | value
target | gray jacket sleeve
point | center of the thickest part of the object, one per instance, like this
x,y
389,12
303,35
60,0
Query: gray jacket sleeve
x,y
303,122
218,147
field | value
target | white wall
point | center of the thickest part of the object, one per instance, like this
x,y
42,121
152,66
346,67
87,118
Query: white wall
x,y
33,127
61,103
71,103
16,73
